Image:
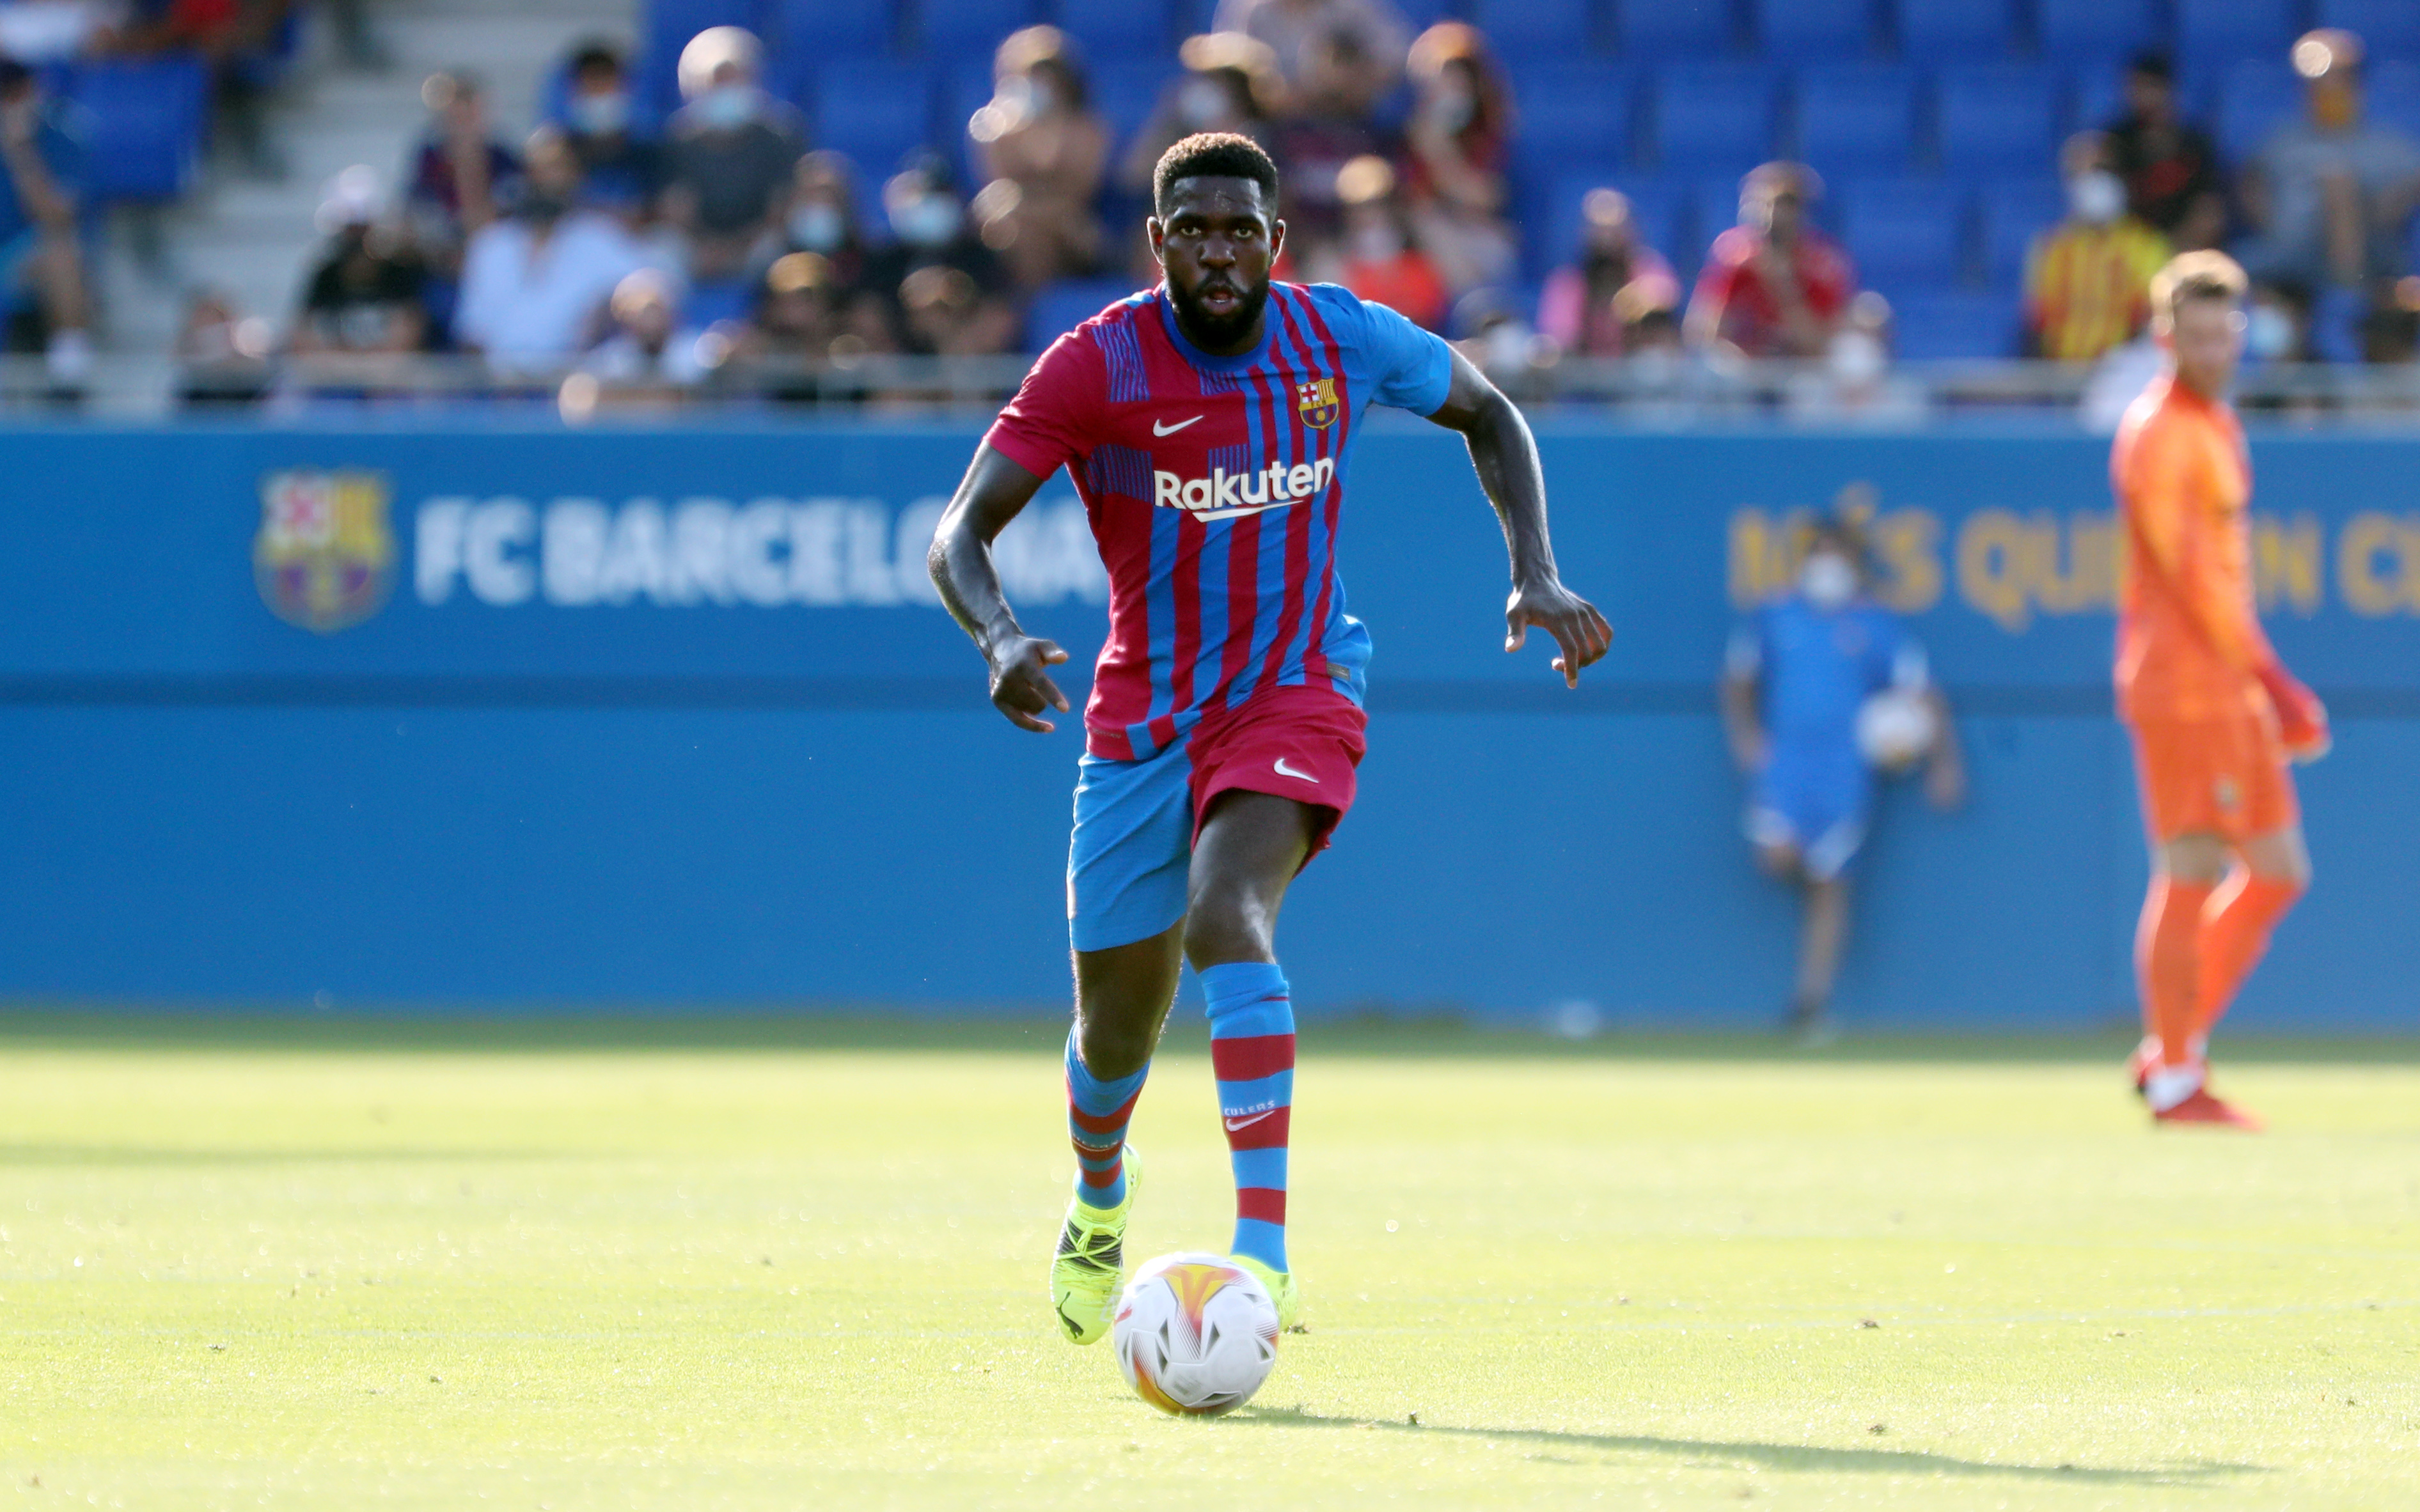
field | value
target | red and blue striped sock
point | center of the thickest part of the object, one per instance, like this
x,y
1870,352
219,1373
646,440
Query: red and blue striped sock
x,y
1252,1050
1097,1113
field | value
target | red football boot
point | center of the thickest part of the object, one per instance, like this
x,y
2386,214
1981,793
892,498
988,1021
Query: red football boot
x,y
2200,1107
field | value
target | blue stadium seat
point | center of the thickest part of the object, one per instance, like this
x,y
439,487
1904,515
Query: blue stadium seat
x,y
816,29
1796,29
2097,96
143,127
1058,308
1656,209
1948,325
1117,28
2014,213
1906,233
1998,118
1657,30
1539,28
670,26
2389,28
1126,90
2073,30
956,28
1712,116
1955,31
874,110
1422,14
2258,96
1573,110
2224,30
2393,87
1857,117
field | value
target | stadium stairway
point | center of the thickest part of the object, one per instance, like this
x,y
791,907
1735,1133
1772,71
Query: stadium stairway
x,y
253,240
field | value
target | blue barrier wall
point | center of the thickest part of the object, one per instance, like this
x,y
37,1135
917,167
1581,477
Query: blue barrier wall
x,y
668,718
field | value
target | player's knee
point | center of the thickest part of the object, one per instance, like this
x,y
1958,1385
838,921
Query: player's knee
x,y
1111,1049
1225,924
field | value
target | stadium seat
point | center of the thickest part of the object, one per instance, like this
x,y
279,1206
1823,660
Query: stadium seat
x,y
2389,28
1712,116
1857,117
1907,234
1655,208
1117,28
1796,29
1998,118
1126,90
2014,213
1058,308
2221,31
2070,31
815,29
144,125
957,29
1955,31
2393,87
2259,94
1657,29
2097,96
1571,110
1939,325
1539,28
877,110
670,26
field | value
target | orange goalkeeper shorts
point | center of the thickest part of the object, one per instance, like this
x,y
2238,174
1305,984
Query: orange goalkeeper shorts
x,y
2228,777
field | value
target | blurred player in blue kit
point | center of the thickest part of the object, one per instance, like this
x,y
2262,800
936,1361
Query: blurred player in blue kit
x,y
1800,679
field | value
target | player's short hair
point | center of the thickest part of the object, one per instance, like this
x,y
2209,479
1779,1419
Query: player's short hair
x,y
2194,275
1211,155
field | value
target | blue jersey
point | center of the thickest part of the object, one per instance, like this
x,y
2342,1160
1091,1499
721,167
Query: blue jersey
x,y
1817,667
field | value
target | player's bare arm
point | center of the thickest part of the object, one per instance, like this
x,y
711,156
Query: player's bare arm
x,y
1506,456
994,490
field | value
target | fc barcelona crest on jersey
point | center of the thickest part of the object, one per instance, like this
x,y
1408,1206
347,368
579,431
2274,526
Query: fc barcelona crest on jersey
x,y
325,557
1315,401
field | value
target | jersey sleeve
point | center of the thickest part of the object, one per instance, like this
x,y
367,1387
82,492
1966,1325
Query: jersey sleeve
x,y
1411,369
1058,409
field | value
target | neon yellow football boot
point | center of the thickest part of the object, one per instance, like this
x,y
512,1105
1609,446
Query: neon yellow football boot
x,y
1280,1288
1091,1262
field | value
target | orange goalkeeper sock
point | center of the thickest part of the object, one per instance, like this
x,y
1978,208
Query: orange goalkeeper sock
x,y
2167,958
2236,923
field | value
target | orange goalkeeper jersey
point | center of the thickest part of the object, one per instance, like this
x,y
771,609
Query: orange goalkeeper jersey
x,y
2189,636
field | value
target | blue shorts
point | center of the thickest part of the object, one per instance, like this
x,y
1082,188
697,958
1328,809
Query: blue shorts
x,y
1131,855
1815,801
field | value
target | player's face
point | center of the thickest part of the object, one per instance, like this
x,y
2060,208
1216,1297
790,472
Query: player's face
x,y
2208,341
1215,244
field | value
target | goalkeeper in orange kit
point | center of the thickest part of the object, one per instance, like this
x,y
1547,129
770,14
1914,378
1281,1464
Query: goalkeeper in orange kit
x,y
2215,718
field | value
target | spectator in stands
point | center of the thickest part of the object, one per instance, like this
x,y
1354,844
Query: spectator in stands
x,y
41,256
1588,308
1325,126
808,313
1772,284
461,174
221,355
1855,384
367,292
2328,196
649,351
1042,151
820,216
932,230
620,171
1230,84
2089,279
1455,149
2170,168
731,153
534,284
1381,260
1301,36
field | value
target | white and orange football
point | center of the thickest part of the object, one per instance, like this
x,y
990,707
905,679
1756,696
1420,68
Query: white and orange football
x,y
1195,1335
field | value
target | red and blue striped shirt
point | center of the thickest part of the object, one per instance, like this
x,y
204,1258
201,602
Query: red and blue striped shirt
x,y
1216,487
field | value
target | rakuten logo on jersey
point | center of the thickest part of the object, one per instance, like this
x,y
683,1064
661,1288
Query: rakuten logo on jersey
x,y
1223,494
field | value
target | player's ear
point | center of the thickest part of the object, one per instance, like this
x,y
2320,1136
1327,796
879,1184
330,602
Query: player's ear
x,y
1276,238
1157,232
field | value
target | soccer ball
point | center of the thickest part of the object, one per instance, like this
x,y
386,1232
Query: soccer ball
x,y
1195,1334
1895,729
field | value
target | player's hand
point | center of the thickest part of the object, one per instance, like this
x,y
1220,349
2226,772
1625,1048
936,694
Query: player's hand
x,y
2302,718
1572,620
1020,688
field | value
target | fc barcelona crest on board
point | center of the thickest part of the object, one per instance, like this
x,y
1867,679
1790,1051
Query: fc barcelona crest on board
x,y
1315,401
325,555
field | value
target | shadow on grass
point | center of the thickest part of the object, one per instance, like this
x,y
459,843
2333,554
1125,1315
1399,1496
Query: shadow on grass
x,y
1797,1457
522,1030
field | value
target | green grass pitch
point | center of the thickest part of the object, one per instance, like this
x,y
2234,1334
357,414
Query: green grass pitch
x,y
801,1265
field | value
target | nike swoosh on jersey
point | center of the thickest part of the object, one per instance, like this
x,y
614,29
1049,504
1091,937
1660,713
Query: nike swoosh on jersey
x,y
1158,429
1233,1124
1283,770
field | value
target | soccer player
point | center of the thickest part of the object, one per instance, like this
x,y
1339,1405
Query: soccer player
x,y
2214,715
1793,681
1208,425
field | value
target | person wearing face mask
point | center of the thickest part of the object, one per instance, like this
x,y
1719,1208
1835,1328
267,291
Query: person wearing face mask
x,y
1582,307
2329,194
820,216
461,174
2170,166
534,284
932,229
1381,262
1772,284
365,294
1456,145
1229,81
729,153
1042,152
2089,279
1794,680
622,172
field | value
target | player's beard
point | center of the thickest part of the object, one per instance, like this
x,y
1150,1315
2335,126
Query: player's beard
x,y
1211,331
